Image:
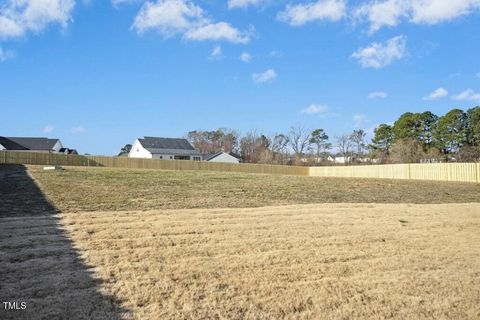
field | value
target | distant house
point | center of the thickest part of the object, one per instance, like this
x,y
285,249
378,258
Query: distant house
x,y
68,151
339,159
222,157
164,148
30,144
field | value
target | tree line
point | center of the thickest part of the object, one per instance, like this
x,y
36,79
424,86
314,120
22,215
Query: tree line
x,y
297,146
426,137
413,137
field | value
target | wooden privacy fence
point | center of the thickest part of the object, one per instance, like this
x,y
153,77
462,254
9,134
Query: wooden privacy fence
x,y
461,172
41,158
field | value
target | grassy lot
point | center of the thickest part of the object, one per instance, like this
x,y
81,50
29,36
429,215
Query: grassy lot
x,y
92,189
69,253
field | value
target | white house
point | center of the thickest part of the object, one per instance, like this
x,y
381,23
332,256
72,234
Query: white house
x,y
222,157
164,149
341,160
30,144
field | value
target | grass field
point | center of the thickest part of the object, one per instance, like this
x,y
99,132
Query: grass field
x,y
92,189
103,245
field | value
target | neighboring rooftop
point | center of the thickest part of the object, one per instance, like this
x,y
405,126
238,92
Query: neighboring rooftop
x,y
209,157
11,145
167,145
28,143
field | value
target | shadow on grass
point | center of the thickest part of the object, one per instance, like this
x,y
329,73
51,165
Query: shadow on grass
x,y
38,262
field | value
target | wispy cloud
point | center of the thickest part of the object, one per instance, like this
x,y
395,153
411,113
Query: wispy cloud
x,y
118,3
377,95
78,129
321,109
359,119
468,95
5,54
263,77
216,53
275,54
48,128
232,4
379,55
301,14
437,94
246,57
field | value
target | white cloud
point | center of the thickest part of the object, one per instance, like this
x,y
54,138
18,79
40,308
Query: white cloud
x,y
381,14
78,129
232,4
168,17
377,95
300,14
315,109
246,57
359,119
48,128
437,94
172,17
18,17
379,55
389,13
436,11
217,31
263,77
468,95
216,53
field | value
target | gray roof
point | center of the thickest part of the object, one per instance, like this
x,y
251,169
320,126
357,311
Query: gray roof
x,y
172,146
11,145
28,143
208,157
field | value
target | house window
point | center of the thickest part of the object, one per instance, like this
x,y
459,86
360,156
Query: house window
x,y
171,157
161,157
196,159
182,157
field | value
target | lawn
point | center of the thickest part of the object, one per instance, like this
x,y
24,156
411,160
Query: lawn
x,y
92,189
144,244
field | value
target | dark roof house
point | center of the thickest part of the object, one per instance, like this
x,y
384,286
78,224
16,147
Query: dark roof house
x,y
31,144
164,148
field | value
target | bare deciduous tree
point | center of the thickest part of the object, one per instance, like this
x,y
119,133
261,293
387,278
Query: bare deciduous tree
x,y
344,144
280,147
299,139
222,139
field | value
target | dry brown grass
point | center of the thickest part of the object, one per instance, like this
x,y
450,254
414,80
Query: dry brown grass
x,y
310,262
314,261
107,189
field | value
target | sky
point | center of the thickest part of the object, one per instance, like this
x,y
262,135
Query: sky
x,y
100,73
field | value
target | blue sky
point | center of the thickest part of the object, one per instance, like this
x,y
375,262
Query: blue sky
x,y
98,74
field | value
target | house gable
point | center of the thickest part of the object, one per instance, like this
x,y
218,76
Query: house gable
x,y
138,151
222,157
